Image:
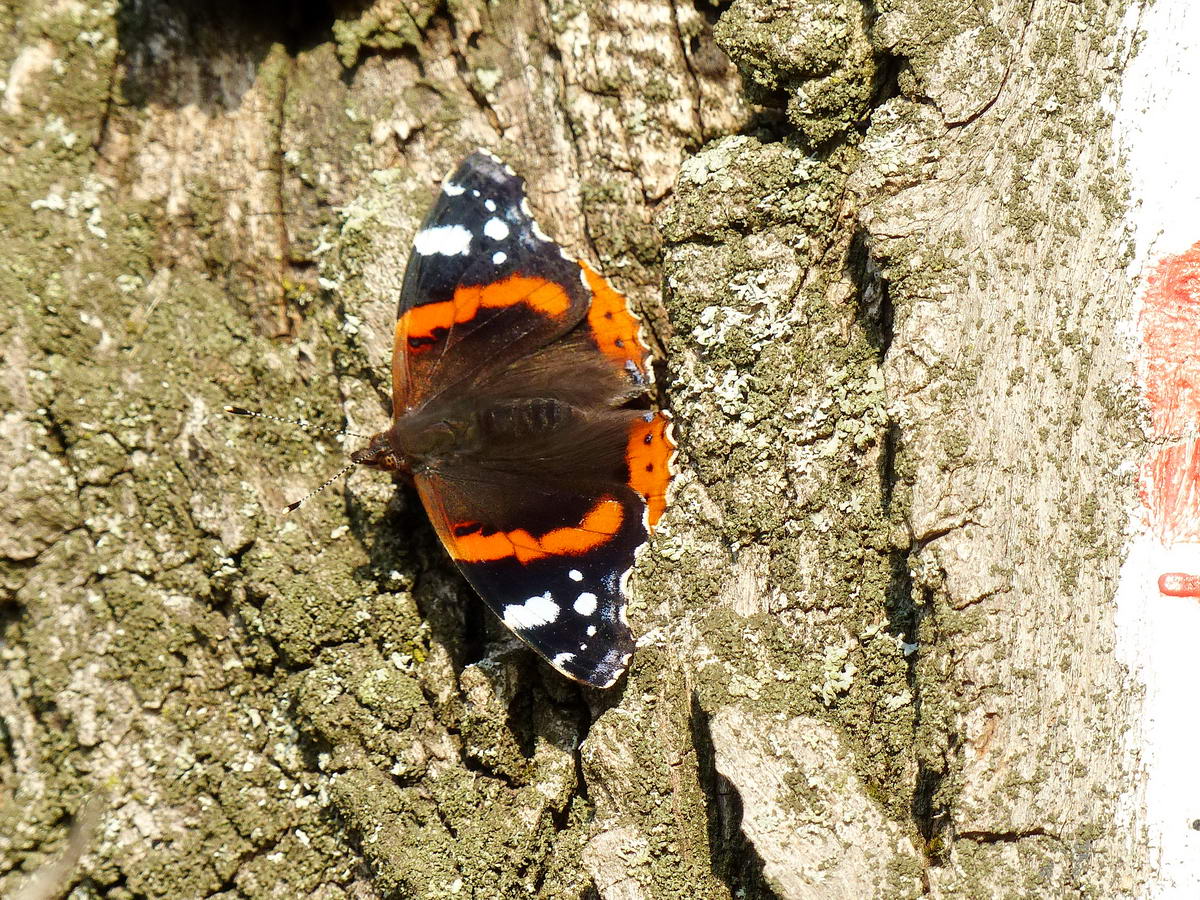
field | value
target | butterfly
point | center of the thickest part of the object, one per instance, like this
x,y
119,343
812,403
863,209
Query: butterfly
x,y
521,412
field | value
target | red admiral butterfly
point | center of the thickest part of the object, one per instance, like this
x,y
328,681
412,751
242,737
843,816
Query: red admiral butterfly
x,y
521,411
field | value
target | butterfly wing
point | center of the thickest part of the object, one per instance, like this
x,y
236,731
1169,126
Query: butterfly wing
x,y
484,286
552,565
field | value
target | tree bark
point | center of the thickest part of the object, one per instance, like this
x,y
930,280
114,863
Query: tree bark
x,y
883,267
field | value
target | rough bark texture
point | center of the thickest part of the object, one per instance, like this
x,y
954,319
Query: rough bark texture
x,y
885,274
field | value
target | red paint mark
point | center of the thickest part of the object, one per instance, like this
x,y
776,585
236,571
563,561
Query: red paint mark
x,y
1178,584
1170,326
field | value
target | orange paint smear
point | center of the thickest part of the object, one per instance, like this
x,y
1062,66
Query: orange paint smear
x,y
540,295
613,325
1170,331
648,455
1179,584
598,527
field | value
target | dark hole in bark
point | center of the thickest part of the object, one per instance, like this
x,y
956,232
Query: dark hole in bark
x,y
874,302
162,40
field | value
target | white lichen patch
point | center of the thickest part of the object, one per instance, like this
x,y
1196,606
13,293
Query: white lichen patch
x,y
129,284
57,127
83,203
838,673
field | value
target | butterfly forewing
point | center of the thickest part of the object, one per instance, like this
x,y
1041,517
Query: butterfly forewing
x,y
483,287
557,579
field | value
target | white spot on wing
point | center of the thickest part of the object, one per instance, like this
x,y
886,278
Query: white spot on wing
x,y
591,631
563,658
490,204
450,189
585,603
498,257
534,612
495,229
448,240
575,575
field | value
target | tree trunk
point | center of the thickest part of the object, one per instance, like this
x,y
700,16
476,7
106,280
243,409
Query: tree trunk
x,y
885,271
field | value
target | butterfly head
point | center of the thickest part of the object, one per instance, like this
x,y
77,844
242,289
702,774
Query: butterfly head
x,y
379,454
418,440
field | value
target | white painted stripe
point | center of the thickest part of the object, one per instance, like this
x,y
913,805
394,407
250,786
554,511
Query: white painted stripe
x,y
1157,635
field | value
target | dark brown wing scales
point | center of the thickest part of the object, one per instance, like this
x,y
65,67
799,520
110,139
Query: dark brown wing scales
x,y
546,530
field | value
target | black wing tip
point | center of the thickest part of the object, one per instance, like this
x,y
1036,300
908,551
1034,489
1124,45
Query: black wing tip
x,y
601,673
485,153
488,165
605,677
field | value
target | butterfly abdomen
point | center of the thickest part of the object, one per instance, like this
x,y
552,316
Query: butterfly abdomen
x,y
527,418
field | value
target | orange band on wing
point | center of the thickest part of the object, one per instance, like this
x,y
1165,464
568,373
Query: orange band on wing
x,y
600,524
543,296
648,455
613,325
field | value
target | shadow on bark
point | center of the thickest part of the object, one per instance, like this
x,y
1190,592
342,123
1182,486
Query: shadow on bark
x,y
155,36
905,611
734,859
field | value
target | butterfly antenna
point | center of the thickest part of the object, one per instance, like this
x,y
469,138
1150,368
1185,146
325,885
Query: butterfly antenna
x,y
302,423
309,426
292,507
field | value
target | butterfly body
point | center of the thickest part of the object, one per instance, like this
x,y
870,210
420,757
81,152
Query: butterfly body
x,y
520,410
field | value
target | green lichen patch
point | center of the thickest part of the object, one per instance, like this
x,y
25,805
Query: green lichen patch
x,y
816,55
388,25
781,406
138,683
